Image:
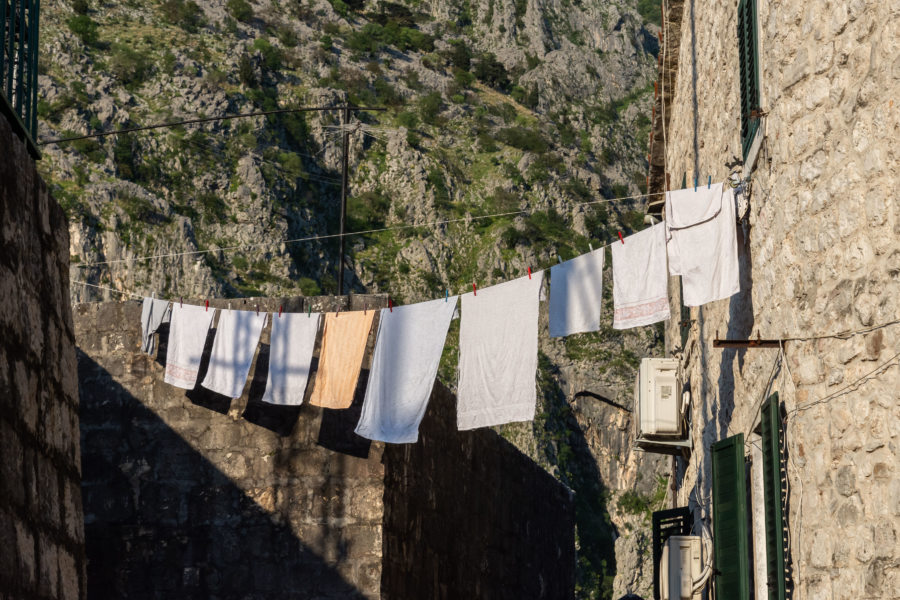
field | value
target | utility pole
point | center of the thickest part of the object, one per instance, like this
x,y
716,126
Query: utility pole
x,y
344,161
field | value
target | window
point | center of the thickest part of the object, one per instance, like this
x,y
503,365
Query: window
x,y
749,56
773,494
731,548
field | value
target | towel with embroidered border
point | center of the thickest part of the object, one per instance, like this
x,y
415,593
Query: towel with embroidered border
x,y
187,338
640,294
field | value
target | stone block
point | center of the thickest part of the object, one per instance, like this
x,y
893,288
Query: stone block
x,y
11,465
48,491
48,567
26,394
69,576
73,511
9,552
25,553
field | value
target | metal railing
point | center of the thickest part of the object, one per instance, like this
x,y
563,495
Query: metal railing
x,y
19,66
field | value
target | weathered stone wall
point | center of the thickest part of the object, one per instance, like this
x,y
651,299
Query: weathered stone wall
x,y
190,495
42,548
466,515
820,256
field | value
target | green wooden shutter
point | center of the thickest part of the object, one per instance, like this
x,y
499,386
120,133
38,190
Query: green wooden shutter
x,y
773,476
749,56
730,543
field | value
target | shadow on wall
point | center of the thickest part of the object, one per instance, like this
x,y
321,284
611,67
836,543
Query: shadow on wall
x,y
161,521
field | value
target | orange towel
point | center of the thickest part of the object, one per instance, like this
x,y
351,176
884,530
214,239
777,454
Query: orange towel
x,y
343,347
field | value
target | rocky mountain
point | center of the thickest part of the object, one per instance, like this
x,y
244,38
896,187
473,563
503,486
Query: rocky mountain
x,y
508,124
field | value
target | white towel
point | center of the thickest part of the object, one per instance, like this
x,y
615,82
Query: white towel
x,y
407,354
290,357
640,295
576,294
498,344
702,243
237,336
153,314
187,337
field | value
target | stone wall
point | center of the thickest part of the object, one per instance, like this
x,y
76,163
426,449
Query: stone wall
x,y
42,549
189,495
194,495
819,255
466,515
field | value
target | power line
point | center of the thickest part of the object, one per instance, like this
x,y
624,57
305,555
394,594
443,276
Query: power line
x,y
352,233
210,119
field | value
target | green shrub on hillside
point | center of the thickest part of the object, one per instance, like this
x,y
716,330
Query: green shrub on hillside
x,y
85,28
184,13
129,66
523,138
272,55
492,72
430,107
240,10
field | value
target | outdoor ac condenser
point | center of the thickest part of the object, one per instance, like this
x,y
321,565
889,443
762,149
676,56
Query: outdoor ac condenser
x,y
680,568
657,399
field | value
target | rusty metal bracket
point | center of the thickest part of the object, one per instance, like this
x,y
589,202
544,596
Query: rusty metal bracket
x,y
748,343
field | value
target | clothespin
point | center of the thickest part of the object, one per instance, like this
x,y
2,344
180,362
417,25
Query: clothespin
x,y
529,272
709,182
257,309
695,183
181,301
446,295
390,304
474,289
620,236
280,308
559,259
591,246
366,308
308,309
338,313
207,306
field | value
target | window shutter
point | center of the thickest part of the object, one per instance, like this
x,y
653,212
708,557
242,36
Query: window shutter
x,y
730,543
749,71
773,493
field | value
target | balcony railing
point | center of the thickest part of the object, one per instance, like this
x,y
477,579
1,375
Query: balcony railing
x,y
19,65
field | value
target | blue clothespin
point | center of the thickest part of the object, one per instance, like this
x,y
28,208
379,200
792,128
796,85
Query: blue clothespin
x,y
446,295
695,183
709,182
559,258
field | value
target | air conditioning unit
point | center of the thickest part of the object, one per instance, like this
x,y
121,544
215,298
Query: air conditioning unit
x,y
658,416
680,568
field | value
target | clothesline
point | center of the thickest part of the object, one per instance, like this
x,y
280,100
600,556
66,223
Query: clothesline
x,y
312,238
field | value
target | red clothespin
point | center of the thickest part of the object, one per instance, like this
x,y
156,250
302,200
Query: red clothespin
x,y
338,313
529,272
390,304
207,306
280,308
474,289
620,237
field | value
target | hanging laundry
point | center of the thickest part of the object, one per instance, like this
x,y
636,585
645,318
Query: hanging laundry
x,y
343,347
290,357
701,240
498,344
237,336
153,314
407,354
576,294
640,296
187,338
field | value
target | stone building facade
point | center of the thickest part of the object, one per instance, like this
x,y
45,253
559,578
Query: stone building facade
x,y
42,549
194,495
819,255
